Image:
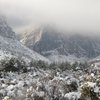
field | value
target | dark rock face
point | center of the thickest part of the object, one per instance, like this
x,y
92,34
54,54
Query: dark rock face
x,y
80,46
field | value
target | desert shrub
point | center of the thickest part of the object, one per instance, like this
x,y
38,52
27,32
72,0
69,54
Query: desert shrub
x,y
80,66
84,65
39,64
64,66
60,66
74,66
53,66
13,64
42,64
88,92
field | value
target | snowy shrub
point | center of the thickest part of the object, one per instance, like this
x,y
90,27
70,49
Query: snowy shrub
x,y
13,64
60,66
6,98
98,81
39,64
65,66
53,66
41,82
74,66
87,91
72,96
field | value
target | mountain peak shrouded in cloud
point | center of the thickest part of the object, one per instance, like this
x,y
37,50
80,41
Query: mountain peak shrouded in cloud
x,y
5,30
50,42
70,15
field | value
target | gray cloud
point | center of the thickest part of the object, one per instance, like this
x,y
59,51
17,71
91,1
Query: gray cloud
x,y
71,15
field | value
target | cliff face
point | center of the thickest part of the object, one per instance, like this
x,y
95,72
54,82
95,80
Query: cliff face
x,y
53,42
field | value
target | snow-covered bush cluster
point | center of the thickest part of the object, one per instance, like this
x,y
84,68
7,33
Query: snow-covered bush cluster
x,y
42,83
13,64
49,85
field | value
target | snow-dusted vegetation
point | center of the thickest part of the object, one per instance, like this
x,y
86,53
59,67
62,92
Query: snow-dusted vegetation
x,y
55,56
40,81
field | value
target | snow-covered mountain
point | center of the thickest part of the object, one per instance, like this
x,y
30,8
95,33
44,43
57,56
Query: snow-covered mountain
x,y
10,45
53,42
5,30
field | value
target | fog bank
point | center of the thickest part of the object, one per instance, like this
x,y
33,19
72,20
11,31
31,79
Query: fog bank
x,y
70,15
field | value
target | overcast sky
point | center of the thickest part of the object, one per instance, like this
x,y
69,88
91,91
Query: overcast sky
x,y
70,15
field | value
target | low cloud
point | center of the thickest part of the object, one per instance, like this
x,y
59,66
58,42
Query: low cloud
x,y
70,15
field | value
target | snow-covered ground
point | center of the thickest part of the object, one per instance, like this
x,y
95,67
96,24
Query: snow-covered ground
x,y
63,58
15,48
38,84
